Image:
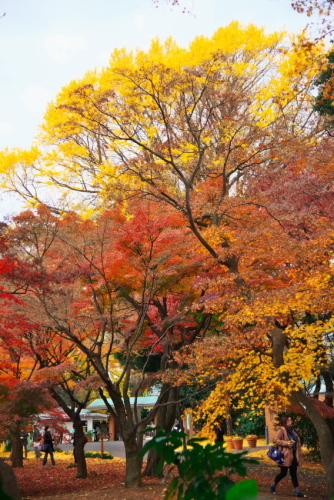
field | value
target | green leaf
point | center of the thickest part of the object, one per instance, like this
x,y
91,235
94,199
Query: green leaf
x,y
172,488
245,490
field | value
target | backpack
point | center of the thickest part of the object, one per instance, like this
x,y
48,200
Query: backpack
x,y
276,455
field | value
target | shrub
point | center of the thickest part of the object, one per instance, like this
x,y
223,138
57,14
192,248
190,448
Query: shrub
x,y
250,424
196,467
95,454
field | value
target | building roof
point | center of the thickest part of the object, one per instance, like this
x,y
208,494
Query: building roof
x,y
92,413
63,416
142,402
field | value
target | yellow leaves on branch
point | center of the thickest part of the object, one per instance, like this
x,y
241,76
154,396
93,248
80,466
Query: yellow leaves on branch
x,y
151,117
11,158
248,378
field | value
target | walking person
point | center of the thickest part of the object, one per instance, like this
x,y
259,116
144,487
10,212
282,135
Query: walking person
x,y
289,443
36,439
97,432
219,431
48,446
24,442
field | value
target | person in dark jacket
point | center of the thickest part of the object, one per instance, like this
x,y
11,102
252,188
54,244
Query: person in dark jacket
x,y
48,446
219,431
24,442
289,443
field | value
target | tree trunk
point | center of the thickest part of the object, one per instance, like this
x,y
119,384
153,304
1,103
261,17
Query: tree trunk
x,y
325,440
165,420
317,388
229,423
330,481
79,448
152,461
80,436
329,396
324,432
133,463
8,482
17,451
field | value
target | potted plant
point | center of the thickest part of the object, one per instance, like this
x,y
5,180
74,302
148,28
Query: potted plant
x,y
237,442
89,436
251,440
229,443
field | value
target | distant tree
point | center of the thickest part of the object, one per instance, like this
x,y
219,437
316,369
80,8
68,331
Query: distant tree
x,y
324,101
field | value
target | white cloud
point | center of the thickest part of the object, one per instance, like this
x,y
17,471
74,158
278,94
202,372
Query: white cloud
x,y
63,48
36,98
6,127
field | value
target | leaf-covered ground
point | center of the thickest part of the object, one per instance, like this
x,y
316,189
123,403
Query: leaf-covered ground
x,y
106,481
36,481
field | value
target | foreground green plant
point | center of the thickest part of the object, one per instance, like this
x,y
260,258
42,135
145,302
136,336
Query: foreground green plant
x,y
203,472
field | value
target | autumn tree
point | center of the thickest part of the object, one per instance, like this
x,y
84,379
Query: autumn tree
x,y
213,132
112,285
324,99
199,130
21,398
69,383
34,350
277,308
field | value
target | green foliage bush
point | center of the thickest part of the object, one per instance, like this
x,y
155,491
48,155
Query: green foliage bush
x,y
323,102
197,467
250,424
95,454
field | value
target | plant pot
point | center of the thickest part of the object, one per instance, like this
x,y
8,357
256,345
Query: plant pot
x,y
229,445
89,438
252,442
237,444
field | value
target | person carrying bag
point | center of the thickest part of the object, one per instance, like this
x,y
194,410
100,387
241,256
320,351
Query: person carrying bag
x,y
47,446
289,444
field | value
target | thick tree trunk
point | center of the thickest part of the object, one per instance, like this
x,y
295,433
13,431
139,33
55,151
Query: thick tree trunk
x,y
330,481
151,464
16,456
317,388
80,437
279,340
165,420
324,432
325,440
229,423
79,448
133,463
329,396
8,482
